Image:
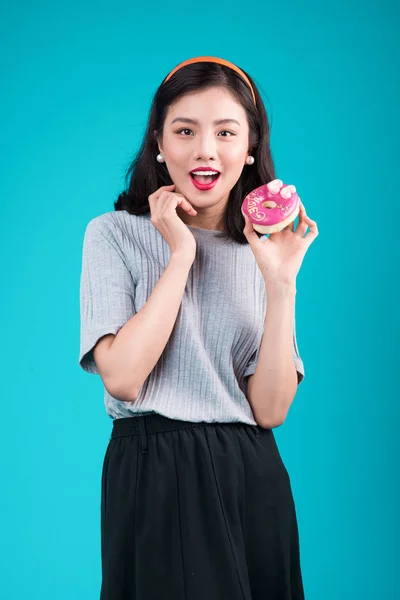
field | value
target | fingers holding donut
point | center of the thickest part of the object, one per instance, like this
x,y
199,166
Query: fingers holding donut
x,y
271,207
313,233
289,227
264,208
304,223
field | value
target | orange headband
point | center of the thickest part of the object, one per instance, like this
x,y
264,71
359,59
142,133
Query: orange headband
x,y
213,59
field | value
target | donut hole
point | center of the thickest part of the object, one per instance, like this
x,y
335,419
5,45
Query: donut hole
x,y
269,204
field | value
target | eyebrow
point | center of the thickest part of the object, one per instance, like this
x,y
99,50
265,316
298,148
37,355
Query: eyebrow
x,y
194,122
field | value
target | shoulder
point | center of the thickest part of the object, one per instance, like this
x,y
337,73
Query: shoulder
x,y
116,225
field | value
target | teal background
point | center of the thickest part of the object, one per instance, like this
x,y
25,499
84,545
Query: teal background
x,y
77,80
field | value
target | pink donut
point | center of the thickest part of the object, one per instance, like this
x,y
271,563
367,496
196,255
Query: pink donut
x,y
272,206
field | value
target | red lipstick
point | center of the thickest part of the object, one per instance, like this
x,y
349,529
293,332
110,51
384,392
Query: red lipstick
x,y
204,186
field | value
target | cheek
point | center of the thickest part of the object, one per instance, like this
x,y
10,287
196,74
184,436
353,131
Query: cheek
x,y
233,167
176,164
235,157
176,156
173,152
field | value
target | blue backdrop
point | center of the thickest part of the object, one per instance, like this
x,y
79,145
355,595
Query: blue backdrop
x,y
77,81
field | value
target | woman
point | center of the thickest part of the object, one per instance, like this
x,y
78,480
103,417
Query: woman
x,y
188,317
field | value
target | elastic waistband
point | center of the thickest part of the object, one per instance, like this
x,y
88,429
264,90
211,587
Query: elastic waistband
x,y
155,423
149,423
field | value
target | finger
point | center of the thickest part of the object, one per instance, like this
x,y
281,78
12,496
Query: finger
x,y
302,224
301,228
289,227
168,198
185,204
249,232
155,195
313,233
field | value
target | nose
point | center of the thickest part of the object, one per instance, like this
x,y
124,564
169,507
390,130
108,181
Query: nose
x,y
206,146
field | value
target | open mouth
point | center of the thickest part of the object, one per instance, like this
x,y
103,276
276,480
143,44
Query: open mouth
x,y
204,180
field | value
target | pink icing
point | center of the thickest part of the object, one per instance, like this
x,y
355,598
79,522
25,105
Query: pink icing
x,y
253,207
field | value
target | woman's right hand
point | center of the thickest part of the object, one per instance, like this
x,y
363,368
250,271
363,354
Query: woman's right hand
x,y
163,203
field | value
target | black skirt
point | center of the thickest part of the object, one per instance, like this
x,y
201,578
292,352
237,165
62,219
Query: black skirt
x,y
197,511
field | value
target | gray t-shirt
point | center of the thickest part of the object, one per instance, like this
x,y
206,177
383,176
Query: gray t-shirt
x,y
202,373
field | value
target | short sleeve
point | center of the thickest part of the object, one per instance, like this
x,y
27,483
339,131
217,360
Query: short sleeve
x,y
251,366
107,289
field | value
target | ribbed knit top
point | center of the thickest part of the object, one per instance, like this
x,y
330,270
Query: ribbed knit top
x,y
202,372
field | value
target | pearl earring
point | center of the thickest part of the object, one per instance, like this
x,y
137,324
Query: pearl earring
x,y
160,158
250,160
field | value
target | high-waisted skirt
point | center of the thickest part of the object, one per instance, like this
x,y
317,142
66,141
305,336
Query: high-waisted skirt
x,y
197,511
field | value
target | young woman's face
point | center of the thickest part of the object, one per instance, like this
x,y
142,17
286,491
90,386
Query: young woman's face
x,y
206,129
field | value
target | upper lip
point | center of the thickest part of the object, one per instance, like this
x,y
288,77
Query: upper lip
x,y
204,169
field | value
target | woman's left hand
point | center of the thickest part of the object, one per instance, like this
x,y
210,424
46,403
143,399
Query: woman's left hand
x,y
280,256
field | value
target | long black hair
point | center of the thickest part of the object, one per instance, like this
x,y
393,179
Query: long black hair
x,y
145,175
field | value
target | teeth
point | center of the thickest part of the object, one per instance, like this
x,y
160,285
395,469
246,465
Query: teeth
x,y
204,173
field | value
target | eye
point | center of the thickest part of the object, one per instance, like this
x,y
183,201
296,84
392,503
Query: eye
x,y
225,131
183,129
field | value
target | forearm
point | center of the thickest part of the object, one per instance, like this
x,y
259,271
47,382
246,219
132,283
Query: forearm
x,y
140,342
273,386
